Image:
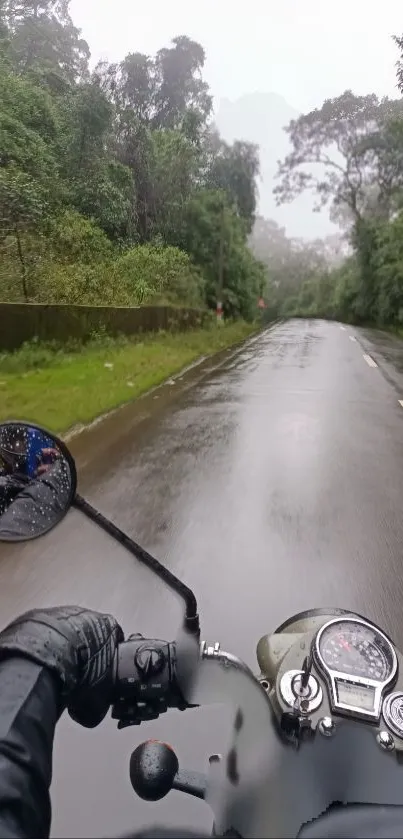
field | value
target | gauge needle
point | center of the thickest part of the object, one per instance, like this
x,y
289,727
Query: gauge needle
x,y
344,644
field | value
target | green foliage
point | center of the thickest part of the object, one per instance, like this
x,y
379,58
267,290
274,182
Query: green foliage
x,y
113,186
387,269
43,41
235,169
174,169
350,152
211,230
27,168
27,103
106,196
366,288
22,200
151,274
74,238
75,283
137,366
333,154
182,99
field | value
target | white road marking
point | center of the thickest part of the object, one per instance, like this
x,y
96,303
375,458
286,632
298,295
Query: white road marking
x,y
352,338
401,402
343,328
370,361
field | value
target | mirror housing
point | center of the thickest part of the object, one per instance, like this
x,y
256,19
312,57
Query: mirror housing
x,y
38,481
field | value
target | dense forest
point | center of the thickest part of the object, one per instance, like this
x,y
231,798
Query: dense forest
x,y
349,154
115,186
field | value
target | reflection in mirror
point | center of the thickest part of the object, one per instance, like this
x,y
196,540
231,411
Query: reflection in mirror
x,y
37,481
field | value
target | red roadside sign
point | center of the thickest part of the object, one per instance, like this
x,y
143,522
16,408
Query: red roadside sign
x,y
261,304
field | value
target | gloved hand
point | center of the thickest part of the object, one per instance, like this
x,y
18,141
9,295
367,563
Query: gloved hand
x,y
78,646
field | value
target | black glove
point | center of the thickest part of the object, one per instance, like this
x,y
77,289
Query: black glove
x,y
78,646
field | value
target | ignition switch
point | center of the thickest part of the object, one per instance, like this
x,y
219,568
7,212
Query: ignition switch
x,y
295,693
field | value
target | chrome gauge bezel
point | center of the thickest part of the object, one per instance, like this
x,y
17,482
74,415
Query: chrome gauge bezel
x,y
333,676
387,713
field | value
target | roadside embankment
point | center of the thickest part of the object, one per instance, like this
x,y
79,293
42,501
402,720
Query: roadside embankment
x,y
60,387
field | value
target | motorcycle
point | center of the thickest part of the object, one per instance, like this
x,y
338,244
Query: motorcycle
x,y
316,744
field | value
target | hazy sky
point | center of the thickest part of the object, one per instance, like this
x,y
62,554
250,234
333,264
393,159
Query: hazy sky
x,y
305,50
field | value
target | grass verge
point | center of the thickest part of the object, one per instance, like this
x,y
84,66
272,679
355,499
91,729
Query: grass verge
x,y
59,389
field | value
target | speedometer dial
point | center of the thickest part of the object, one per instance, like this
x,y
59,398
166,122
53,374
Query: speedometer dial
x,y
356,649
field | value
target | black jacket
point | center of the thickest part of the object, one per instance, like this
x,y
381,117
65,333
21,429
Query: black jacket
x,y
29,710
29,506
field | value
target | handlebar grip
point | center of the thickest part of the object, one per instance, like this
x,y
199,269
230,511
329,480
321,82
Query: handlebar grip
x,y
145,680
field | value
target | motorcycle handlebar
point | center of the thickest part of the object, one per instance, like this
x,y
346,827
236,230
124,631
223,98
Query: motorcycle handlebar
x,y
145,683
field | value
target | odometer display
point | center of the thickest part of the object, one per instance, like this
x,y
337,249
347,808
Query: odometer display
x,y
356,649
352,695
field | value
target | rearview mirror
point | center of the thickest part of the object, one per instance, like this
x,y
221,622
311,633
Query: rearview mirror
x,y
38,481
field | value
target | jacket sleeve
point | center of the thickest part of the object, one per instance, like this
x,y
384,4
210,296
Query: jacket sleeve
x,y
29,709
44,497
9,488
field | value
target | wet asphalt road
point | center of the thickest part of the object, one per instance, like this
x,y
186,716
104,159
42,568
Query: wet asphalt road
x,y
272,484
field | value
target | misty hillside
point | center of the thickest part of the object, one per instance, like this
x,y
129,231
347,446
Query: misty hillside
x,y
260,118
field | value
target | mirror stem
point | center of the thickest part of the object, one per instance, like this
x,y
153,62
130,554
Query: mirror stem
x,y
191,622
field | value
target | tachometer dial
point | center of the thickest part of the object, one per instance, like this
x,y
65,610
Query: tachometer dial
x,y
357,649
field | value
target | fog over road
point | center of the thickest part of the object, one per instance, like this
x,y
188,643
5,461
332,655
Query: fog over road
x,y
271,484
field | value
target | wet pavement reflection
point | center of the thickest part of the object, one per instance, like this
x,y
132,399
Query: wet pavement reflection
x,y
271,484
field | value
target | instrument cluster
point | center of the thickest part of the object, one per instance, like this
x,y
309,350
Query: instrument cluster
x,y
358,665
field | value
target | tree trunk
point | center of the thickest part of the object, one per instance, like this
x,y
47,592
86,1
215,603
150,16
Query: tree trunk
x,y
220,278
23,266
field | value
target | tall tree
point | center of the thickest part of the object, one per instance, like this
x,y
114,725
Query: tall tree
x,y
174,169
43,39
135,89
212,227
182,98
331,156
399,64
99,187
28,173
166,94
235,168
